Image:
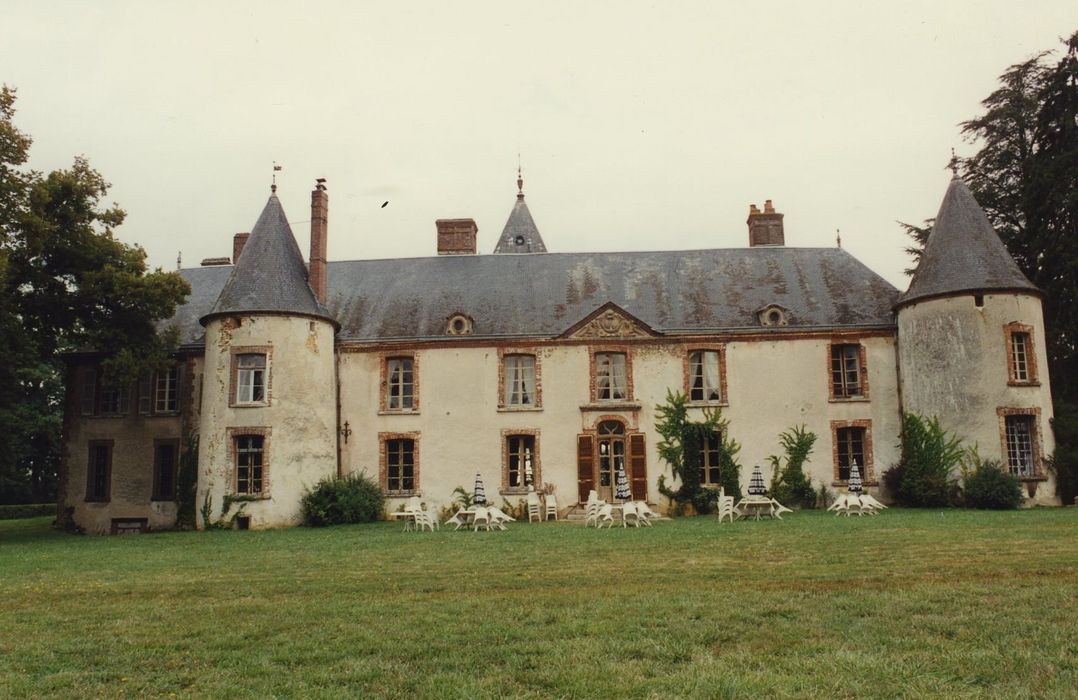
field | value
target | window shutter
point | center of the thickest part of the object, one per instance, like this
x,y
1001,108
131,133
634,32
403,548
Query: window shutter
x,y
585,465
638,467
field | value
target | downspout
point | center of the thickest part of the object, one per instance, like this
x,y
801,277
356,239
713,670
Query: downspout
x,y
337,387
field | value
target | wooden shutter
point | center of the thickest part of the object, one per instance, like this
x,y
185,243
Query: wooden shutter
x,y
638,467
585,466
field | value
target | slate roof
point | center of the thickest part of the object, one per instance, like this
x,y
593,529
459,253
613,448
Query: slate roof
x,y
520,234
963,253
270,275
543,295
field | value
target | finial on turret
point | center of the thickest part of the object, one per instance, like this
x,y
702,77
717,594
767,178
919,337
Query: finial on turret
x,y
838,238
953,164
179,260
276,169
520,180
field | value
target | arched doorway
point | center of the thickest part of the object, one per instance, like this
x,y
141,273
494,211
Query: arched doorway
x,y
610,437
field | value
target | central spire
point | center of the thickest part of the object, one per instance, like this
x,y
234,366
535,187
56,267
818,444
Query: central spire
x,y
520,234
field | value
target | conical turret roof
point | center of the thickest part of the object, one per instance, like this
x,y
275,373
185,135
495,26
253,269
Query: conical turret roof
x,y
964,253
269,276
520,234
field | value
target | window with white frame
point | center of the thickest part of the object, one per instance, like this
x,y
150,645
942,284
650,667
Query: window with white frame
x,y
610,377
705,378
850,448
519,378
400,465
1020,433
250,378
710,465
250,464
846,371
521,462
400,383
1020,366
165,393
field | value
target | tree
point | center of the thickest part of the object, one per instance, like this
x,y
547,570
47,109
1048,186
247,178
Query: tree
x,y
65,283
789,484
1025,176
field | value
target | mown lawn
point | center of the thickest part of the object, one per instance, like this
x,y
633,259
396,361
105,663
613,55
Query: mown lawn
x,y
907,604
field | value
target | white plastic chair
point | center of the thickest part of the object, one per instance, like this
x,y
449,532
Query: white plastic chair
x,y
457,520
872,503
498,518
481,519
629,514
422,520
534,511
646,514
605,514
726,508
550,507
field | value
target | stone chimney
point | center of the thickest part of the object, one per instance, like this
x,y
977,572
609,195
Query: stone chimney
x,y
456,236
238,241
765,227
316,275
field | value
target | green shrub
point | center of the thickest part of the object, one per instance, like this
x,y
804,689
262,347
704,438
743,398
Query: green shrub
x,y
32,510
352,499
929,458
789,485
1064,462
988,486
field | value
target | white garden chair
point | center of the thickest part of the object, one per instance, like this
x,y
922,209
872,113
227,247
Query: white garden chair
x,y
481,519
605,514
550,507
646,514
498,518
534,507
726,508
629,514
422,520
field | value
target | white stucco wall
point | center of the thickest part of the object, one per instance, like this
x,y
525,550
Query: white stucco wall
x,y
953,357
772,385
300,414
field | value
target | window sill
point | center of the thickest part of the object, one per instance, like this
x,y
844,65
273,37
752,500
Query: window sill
x,y
1035,477
612,406
848,399
260,404
402,494
515,491
102,501
863,483
519,409
706,404
1033,383
162,414
248,497
399,412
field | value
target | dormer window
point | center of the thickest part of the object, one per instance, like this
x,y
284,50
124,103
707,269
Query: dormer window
x,y
459,324
772,315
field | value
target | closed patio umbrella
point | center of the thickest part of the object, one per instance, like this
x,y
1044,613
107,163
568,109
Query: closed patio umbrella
x,y
756,483
854,485
528,475
480,494
622,492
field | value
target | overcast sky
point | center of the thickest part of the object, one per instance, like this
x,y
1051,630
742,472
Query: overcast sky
x,y
640,125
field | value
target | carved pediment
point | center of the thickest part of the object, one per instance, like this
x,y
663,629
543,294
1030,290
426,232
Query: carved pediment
x,y
610,321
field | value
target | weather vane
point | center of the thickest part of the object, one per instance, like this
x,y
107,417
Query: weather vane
x,y
838,238
276,169
953,165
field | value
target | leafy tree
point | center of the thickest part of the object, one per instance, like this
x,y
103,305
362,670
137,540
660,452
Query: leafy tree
x,y
682,449
1025,176
925,476
789,485
65,283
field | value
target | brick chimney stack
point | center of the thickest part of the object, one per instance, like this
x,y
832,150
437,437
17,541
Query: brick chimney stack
x,y
456,236
238,241
316,274
765,227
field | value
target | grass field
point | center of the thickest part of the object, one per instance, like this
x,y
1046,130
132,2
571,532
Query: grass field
x,y
907,604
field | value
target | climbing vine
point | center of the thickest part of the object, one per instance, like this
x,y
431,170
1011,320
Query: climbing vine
x,y
682,449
